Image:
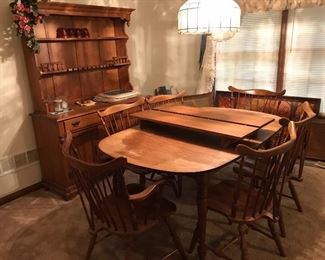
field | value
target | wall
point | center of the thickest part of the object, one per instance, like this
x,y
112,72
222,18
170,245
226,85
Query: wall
x,y
16,132
158,54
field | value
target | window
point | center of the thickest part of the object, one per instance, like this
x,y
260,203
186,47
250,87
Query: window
x,y
249,59
305,54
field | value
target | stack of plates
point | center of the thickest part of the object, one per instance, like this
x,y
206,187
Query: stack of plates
x,y
116,95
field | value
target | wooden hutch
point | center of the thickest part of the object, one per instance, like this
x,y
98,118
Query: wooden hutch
x,y
82,53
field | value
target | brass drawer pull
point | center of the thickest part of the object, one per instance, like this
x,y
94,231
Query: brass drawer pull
x,y
75,124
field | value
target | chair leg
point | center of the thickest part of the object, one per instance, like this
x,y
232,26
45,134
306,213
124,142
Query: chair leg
x,y
295,195
175,183
91,245
276,238
243,245
176,239
142,180
152,176
301,164
281,224
193,240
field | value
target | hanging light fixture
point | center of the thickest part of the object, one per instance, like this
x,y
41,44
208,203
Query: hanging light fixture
x,y
220,18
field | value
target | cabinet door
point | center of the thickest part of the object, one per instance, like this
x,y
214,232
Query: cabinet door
x,y
316,146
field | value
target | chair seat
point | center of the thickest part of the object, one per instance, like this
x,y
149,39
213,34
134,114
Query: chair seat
x,y
148,214
221,197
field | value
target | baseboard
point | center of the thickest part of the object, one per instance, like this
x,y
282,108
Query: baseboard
x,y
67,193
20,193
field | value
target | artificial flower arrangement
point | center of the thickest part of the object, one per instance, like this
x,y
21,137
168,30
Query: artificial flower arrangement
x,y
25,15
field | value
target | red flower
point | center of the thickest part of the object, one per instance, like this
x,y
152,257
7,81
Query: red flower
x,y
20,7
25,19
27,28
21,24
25,16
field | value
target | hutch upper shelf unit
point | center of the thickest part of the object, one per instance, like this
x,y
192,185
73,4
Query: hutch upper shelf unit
x,y
82,53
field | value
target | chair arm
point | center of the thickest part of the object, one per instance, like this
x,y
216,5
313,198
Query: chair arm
x,y
147,192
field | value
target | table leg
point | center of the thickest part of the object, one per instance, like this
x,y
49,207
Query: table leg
x,y
202,190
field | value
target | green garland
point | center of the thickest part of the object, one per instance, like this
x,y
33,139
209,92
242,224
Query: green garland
x,y
25,16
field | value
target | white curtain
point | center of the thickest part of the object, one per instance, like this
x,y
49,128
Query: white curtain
x,y
251,6
207,68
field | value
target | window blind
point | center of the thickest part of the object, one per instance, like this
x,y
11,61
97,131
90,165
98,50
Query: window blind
x,y
249,59
305,54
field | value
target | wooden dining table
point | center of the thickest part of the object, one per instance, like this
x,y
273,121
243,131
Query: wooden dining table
x,y
237,116
173,140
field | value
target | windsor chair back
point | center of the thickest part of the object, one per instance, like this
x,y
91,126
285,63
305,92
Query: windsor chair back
x,y
165,99
256,99
117,117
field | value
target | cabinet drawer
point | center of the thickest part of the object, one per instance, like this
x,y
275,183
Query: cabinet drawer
x,y
81,122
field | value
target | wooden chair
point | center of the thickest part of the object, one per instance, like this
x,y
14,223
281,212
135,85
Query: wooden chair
x,y
159,100
303,127
298,151
243,202
165,99
117,118
112,206
256,99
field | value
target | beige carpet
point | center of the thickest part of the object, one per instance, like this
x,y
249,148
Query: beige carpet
x,y
41,226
